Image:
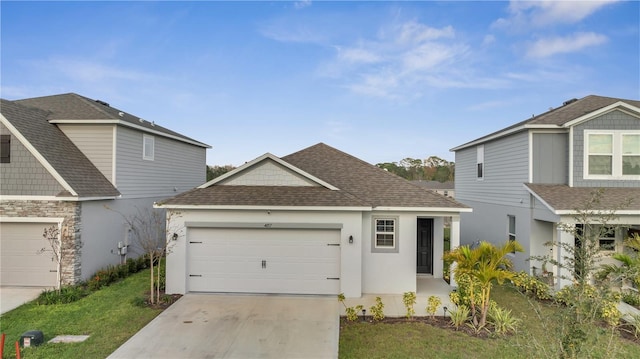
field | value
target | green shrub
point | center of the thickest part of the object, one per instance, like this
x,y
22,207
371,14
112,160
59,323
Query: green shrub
x,y
433,303
632,298
462,296
67,294
409,300
352,312
502,319
459,316
377,310
600,301
531,285
139,301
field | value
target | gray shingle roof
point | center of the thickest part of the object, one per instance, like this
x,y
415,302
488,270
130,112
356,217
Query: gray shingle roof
x,y
435,185
72,106
374,185
58,150
359,183
560,115
266,196
565,198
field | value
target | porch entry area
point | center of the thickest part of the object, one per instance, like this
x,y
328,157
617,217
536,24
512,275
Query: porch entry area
x,y
424,255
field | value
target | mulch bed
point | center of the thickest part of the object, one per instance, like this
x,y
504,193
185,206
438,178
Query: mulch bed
x,y
437,321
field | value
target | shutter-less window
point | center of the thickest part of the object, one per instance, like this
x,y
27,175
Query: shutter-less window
x,y
5,148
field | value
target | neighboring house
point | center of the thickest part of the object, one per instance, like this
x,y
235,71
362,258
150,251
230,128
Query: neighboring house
x,y
525,179
446,189
64,159
318,221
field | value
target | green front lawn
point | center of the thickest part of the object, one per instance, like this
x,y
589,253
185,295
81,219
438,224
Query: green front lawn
x,y
420,340
107,315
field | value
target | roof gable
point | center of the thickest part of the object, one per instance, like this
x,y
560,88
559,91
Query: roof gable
x,y
55,151
267,170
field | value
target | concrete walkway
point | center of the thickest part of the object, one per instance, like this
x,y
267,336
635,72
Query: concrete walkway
x,y
240,326
13,297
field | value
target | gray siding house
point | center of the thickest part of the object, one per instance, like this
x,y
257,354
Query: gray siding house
x,y
64,160
522,181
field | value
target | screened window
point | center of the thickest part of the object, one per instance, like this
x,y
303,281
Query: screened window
x,y
385,233
148,144
5,148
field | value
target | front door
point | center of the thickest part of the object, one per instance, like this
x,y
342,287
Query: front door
x,y
425,245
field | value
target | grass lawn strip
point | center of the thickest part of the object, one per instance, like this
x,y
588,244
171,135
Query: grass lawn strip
x,y
107,316
421,340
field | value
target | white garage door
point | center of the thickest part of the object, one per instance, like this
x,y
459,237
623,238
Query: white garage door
x,y
296,261
20,261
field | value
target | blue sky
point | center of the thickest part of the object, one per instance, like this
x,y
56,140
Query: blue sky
x,y
379,80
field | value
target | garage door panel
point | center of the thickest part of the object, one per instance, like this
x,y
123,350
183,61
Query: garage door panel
x,y
295,261
22,262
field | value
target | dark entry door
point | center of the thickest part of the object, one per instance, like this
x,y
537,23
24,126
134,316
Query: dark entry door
x,y
425,245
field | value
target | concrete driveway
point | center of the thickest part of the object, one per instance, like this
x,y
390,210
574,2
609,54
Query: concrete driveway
x,y
13,297
240,326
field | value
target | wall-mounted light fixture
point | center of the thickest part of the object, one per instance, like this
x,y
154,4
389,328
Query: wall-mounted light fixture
x,y
175,236
350,239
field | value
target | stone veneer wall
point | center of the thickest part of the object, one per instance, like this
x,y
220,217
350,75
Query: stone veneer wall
x,y
71,241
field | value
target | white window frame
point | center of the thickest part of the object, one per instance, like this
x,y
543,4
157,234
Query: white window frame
x,y
480,167
385,248
511,232
616,167
610,235
146,139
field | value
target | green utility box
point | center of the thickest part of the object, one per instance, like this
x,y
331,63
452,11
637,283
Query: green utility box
x,y
31,338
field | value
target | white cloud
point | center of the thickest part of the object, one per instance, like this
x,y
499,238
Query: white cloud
x,y
567,44
404,61
539,14
416,33
358,55
90,71
302,4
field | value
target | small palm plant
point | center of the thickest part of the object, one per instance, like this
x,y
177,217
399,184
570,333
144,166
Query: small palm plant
x,y
484,264
629,269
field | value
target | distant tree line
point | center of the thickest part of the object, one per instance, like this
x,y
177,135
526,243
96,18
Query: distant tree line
x,y
217,171
432,169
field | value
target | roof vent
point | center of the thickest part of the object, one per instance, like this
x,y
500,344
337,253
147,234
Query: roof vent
x,y
141,120
153,123
102,103
120,114
569,101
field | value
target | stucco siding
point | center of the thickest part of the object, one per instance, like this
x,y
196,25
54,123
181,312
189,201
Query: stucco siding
x,y
396,273
506,168
550,158
96,142
103,228
350,260
175,168
25,175
615,120
489,222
